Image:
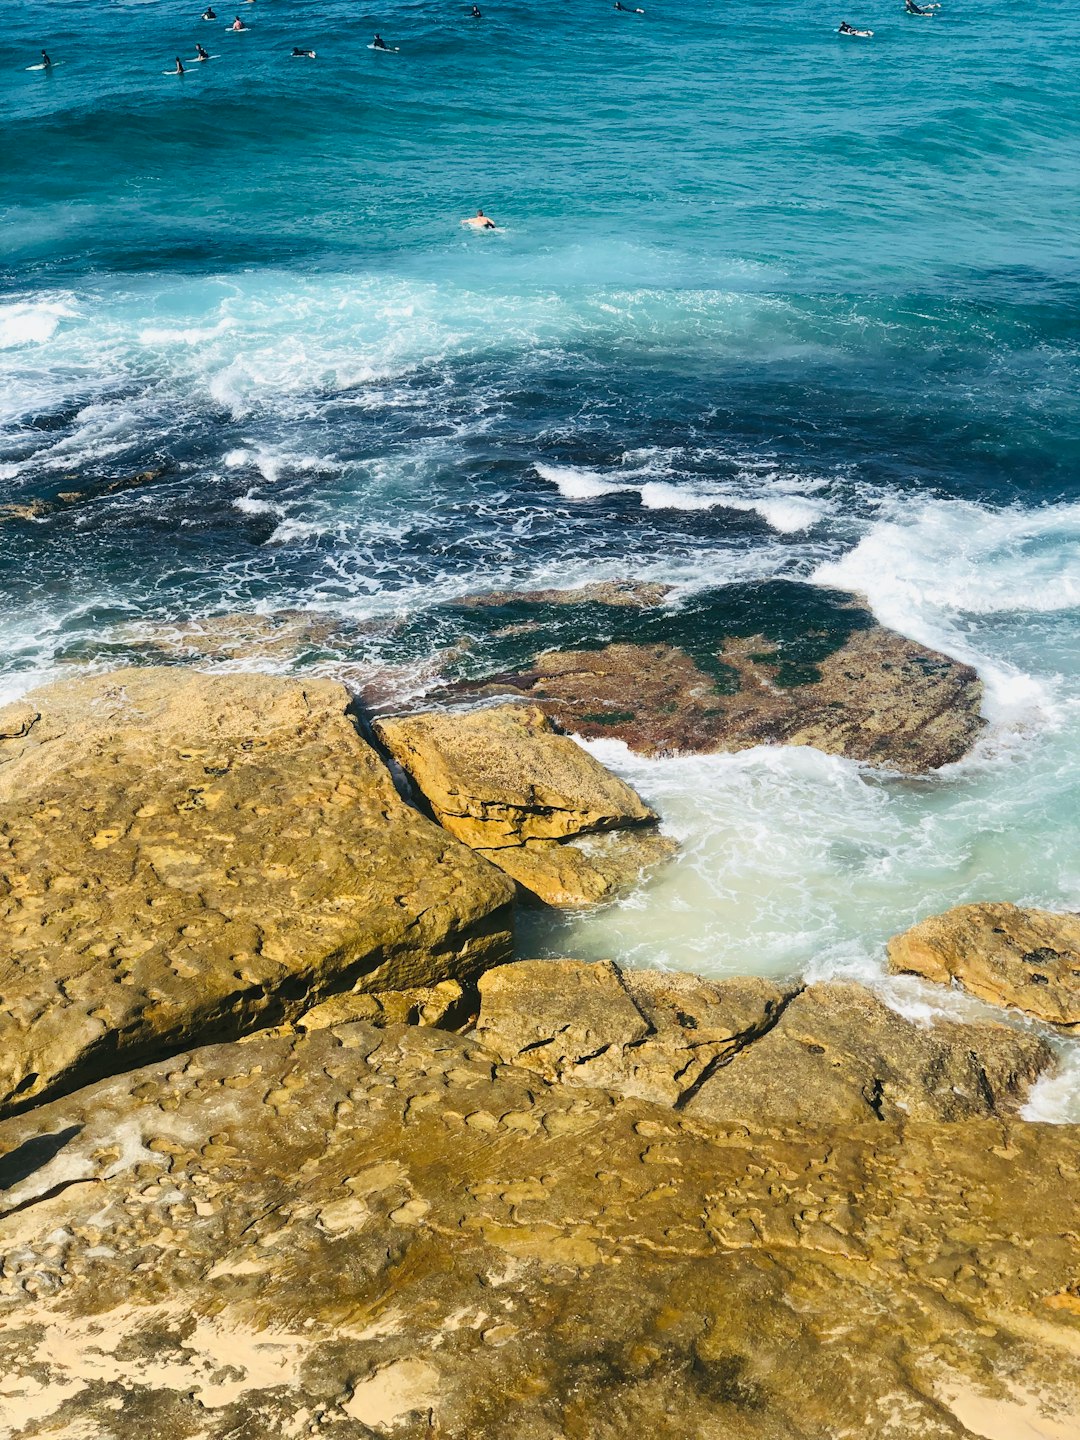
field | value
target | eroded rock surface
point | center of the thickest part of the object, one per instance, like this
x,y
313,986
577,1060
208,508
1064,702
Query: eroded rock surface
x,y
188,856
503,781
633,594
768,663
748,1049
1027,959
390,1233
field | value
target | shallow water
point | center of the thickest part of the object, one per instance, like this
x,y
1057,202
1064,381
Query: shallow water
x,y
765,302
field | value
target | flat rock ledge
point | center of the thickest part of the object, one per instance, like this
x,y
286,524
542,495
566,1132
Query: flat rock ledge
x,y
188,857
769,663
1027,960
532,801
405,1233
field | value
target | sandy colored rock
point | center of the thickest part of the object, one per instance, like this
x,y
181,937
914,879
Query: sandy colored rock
x,y
286,635
1027,959
189,856
40,507
631,594
703,677
838,1055
751,1050
447,1006
585,871
502,780
390,1233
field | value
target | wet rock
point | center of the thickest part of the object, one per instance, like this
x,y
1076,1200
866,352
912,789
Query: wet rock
x,y
388,1232
188,856
771,663
39,508
289,635
502,780
1026,959
749,1050
633,594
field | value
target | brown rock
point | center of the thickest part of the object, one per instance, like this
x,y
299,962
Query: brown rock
x,y
838,1055
1029,959
502,780
633,594
748,1050
772,663
446,1006
188,856
389,1233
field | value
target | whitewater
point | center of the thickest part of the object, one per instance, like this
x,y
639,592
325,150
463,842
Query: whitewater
x,y
764,303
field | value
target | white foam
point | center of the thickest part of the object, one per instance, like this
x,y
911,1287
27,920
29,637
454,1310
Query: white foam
x,y
576,484
32,322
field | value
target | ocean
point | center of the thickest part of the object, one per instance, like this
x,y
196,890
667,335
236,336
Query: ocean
x,y
763,302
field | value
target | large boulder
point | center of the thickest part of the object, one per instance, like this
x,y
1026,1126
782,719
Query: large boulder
x,y
503,781
751,1050
772,662
362,1233
1026,959
187,857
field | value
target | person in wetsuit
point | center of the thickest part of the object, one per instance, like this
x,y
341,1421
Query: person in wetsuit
x,y
913,9
179,67
46,63
299,54
209,14
200,53
379,43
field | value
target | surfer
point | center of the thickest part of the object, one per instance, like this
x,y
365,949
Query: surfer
x,y
209,14
474,13
46,63
238,24
299,54
179,67
627,9
379,43
845,29
479,221
913,9
200,53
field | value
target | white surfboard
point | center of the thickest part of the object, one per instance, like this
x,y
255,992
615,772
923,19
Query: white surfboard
x,y
386,49
41,66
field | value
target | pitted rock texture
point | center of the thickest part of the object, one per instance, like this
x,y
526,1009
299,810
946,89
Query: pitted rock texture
x,y
628,594
389,1233
187,857
502,780
1027,959
737,667
748,1049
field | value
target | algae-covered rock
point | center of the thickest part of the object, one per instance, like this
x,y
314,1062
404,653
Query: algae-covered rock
x,y
502,780
772,662
188,856
1028,959
751,1050
387,1232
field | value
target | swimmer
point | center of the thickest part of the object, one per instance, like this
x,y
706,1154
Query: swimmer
x,y
179,67
209,14
200,53
46,63
299,54
238,24
379,43
479,221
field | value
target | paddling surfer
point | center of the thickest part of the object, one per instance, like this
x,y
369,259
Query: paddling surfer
x,y
479,221
379,43
299,54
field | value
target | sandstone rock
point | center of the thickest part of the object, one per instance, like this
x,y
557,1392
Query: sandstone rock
x,y
38,508
363,1232
285,635
776,663
748,1050
632,594
1029,959
501,780
838,1055
189,857
447,1006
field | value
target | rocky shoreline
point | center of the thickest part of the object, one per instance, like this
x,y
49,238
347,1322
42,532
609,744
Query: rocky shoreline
x,y
294,1146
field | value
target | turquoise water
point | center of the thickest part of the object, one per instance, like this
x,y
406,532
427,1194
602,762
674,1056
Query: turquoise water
x,y
763,302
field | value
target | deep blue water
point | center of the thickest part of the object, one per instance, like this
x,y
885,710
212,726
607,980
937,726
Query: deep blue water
x,y
763,301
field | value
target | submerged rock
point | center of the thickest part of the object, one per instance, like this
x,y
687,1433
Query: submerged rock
x,y
187,857
634,594
768,663
389,1233
751,1050
503,781
1028,959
